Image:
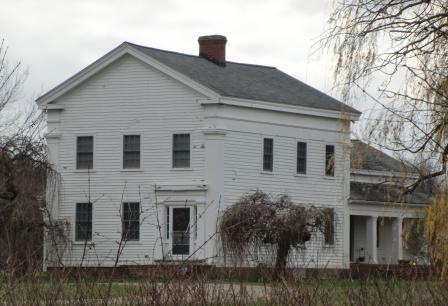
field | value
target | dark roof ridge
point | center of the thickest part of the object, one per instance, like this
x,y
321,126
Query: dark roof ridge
x,y
197,56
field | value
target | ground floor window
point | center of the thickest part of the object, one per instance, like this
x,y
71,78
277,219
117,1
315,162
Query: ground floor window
x,y
131,221
83,223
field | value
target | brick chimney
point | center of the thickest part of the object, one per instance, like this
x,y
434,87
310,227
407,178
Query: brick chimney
x,y
213,48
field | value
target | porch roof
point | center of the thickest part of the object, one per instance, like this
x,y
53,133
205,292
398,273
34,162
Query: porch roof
x,y
388,193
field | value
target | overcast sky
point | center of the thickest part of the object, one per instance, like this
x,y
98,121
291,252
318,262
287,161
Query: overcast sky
x,y
55,39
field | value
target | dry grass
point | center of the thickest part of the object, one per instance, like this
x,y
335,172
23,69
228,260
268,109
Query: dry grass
x,y
41,289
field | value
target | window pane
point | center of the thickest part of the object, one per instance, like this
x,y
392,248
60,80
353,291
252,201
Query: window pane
x,y
329,160
131,221
301,157
181,150
131,143
84,152
167,223
329,226
131,151
83,221
268,154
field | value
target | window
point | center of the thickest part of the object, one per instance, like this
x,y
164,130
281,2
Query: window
x,y
329,226
195,222
181,151
131,221
131,151
167,223
83,230
301,157
378,225
268,154
329,160
84,152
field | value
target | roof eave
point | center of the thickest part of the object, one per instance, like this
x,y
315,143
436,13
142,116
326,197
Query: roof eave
x,y
394,204
288,108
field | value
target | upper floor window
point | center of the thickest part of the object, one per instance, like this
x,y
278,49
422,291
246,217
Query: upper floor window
x,y
84,152
329,160
181,151
131,221
131,152
83,223
301,157
268,154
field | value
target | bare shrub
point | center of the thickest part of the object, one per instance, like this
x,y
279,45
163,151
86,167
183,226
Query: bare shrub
x,y
23,173
257,220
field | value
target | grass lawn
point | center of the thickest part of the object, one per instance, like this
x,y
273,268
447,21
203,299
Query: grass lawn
x,y
178,292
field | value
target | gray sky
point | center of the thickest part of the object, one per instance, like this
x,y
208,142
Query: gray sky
x,y
55,39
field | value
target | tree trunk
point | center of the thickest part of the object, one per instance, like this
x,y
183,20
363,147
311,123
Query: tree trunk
x,y
283,247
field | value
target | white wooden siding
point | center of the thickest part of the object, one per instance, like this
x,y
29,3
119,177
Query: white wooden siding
x,y
128,97
243,172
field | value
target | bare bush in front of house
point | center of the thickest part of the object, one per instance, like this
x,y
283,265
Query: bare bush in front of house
x,y
23,173
257,220
153,289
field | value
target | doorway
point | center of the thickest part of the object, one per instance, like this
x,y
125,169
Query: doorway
x,y
180,231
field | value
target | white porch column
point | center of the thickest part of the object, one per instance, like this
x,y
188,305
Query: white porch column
x,y
371,224
398,229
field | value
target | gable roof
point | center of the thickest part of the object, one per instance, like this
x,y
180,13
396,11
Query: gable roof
x,y
235,80
247,81
366,157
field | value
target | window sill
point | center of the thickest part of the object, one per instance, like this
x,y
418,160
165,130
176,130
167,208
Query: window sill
x,y
267,172
327,177
300,175
181,169
133,242
132,170
84,171
328,246
81,243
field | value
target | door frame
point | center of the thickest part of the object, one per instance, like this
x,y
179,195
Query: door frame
x,y
168,230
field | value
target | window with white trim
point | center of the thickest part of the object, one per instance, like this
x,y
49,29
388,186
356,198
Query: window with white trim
x,y
301,158
329,160
84,152
268,154
181,150
131,221
83,223
131,151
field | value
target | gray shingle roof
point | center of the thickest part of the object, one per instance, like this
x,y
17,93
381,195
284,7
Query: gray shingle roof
x,y
388,193
247,81
366,157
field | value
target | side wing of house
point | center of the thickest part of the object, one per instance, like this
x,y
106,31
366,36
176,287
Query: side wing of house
x,y
380,210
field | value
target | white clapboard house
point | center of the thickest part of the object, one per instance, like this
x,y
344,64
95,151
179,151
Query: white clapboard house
x,y
155,144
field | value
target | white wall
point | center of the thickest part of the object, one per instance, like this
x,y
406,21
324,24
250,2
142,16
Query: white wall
x,y
130,97
126,97
243,173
